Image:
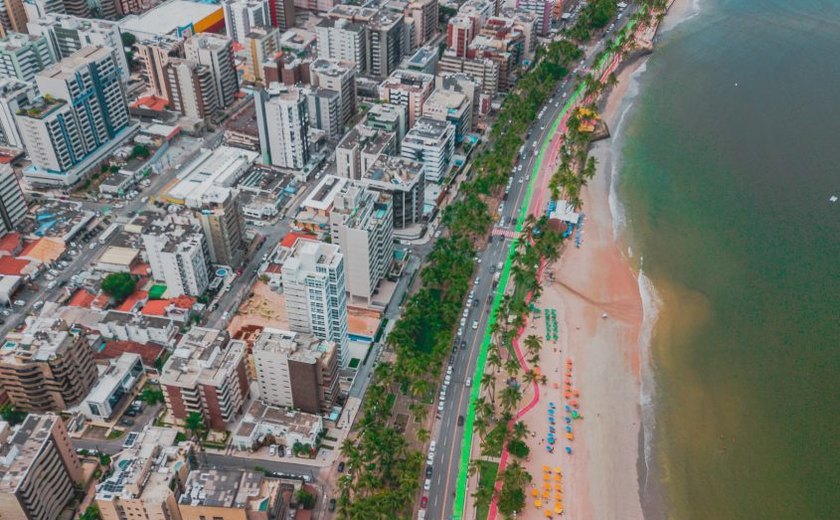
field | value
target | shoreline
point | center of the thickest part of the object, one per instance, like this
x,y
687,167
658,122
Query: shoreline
x,y
609,474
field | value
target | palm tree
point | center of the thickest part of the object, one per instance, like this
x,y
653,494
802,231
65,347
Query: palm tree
x,y
510,397
488,382
532,344
530,376
512,366
520,431
423,435
494,360
473,467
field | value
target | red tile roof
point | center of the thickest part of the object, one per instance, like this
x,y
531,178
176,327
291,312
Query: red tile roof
x,y
10,242
149,353
82,298
291,237
11,266
130,302
155,308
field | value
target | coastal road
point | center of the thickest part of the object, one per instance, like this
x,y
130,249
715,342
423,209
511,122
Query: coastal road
x,y
447,434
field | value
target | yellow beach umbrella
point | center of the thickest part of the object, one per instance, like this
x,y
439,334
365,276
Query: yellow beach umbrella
x,y
534,492
537,503
547,486
548,513
557,469
558,496
546,476
546,494
546,469
558,477
558,508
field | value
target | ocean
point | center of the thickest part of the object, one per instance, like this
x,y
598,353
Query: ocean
x,y
730,153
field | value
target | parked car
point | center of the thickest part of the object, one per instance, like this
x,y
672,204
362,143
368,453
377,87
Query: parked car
x,y
429,472
125,421
460,420
272,450
428,484
423,502
341,467
332,505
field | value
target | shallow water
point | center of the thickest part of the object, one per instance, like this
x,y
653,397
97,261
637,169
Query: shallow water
x,y
729,158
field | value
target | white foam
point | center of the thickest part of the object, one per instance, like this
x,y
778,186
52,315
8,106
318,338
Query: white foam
x,y
651,303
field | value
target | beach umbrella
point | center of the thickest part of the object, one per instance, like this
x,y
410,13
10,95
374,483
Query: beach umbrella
x,y
557,487
534,492
557,469
557,477
575,414
551,429
574,403
551,404
568,450
547,487
570,436
568,420
558,508
546,469
551,411
555,385
558,496
568,408
549,449
537,503
548,513
568,429
577,393
551,420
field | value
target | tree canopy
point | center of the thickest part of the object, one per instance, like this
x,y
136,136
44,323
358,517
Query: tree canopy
x,y
119,286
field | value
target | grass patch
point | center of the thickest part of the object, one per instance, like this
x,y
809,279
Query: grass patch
x,y
486,480
354,363
114,434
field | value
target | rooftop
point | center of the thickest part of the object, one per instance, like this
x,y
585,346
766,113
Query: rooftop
x,y
167,18
394,172
205,356
220,167
292,345
68,67
428,129
44,339
18,454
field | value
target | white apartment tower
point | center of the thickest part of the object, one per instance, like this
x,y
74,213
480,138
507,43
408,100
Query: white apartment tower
x,y
14,94
22,56
216,52
241,16
12,203
431,143
316,301
362,224
179,258
341,39
67,34
283,124
339,77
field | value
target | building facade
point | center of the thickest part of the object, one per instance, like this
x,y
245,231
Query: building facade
x,y
242,16
296,370
179,257
22,56
206,375
216,52
431,143
283,122
39,469
314,285
12,204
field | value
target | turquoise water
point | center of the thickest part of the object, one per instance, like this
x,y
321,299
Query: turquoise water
x,y
730,155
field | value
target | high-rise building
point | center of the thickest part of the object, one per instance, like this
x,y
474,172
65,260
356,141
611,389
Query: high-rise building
x,y
12,17
47,367
386,43
219,213
408,89
341,39
421,14
362,224
388,118
216,52
191,89
403,181
283,123
22,56
68,34
314,286
541,8
261,43
452,106
282,14
12,203
39,8
82,116
14,94
296,370
459,34
206,375
144,478
339,77
241,16
39,470
179,257
360,148
155,55
431,143
324,108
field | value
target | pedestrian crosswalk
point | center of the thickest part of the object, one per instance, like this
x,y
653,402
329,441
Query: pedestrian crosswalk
x,y
504,232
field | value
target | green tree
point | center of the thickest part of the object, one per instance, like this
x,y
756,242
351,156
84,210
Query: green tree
x,y
151,395
91,513
128,39
195,423
518,448
10,415
119,286
306,499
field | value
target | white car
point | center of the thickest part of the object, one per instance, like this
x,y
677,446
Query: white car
x,y
447,379
463,322
475,325
440,407
432,446
461,330
20,303
49,276
428,484
51,285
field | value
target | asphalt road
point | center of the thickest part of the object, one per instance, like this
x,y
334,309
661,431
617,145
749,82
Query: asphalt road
x,y
447,433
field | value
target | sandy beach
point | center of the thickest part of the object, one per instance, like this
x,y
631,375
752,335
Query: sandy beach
x,y
601,478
